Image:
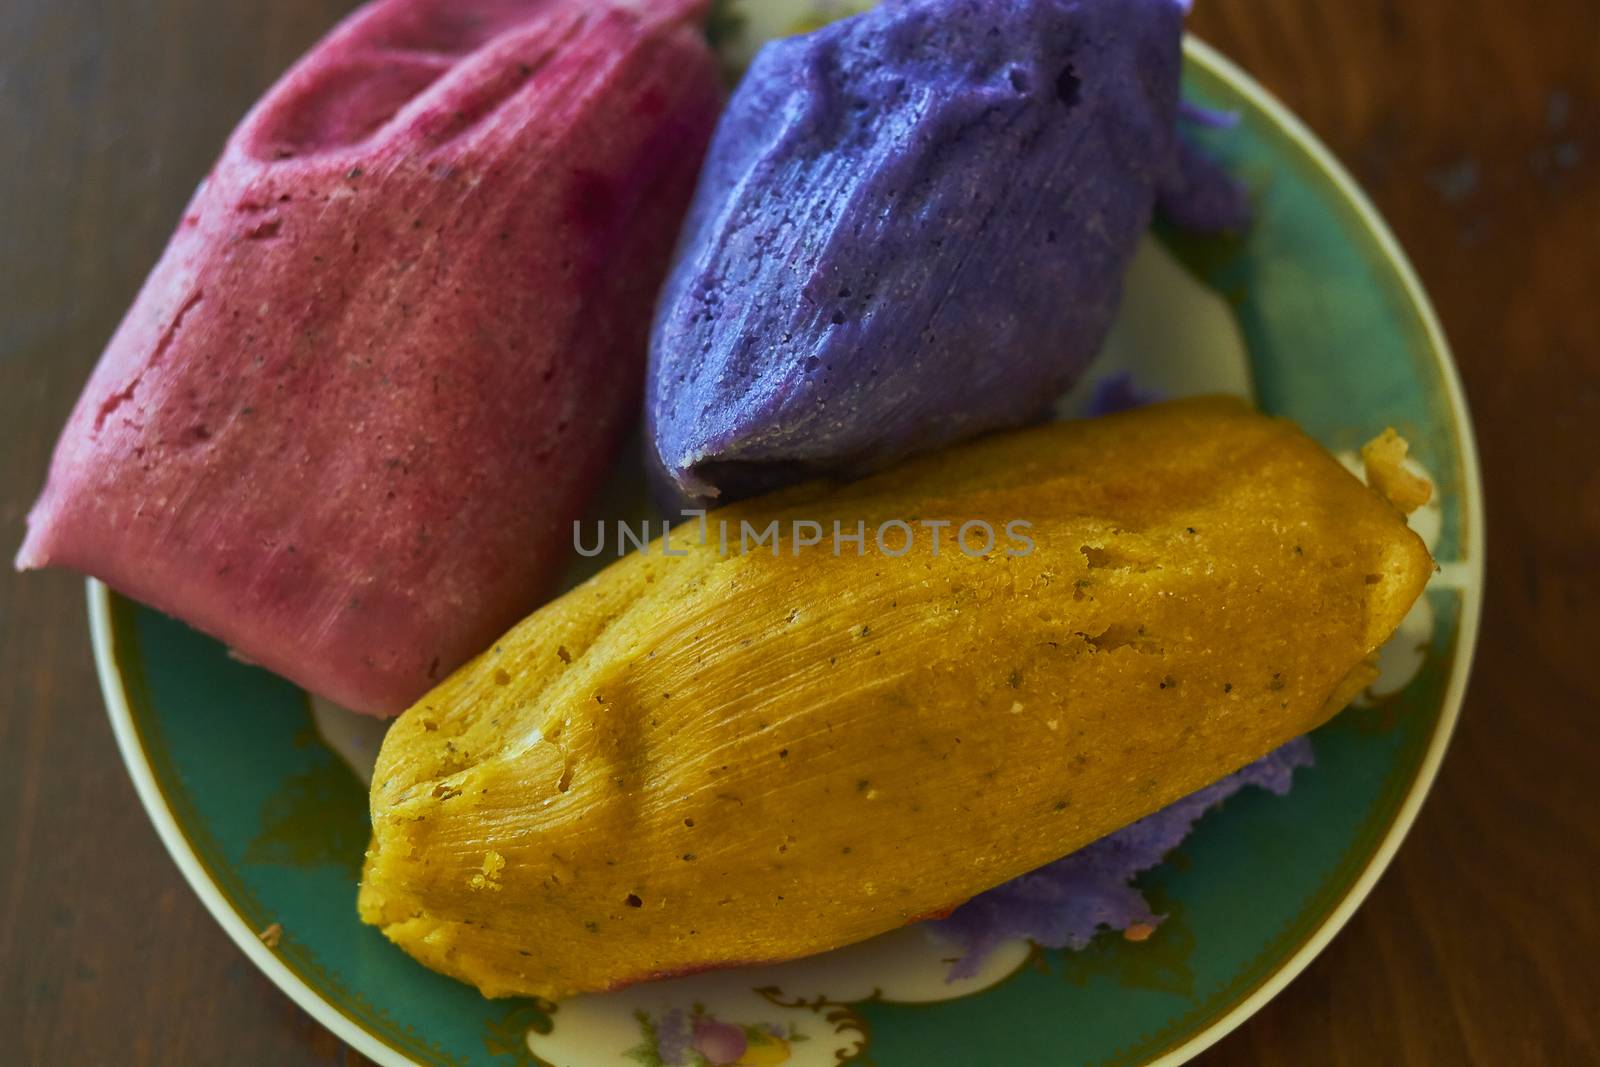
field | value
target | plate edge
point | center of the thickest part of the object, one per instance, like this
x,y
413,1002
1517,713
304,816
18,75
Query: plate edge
x,y
1472,542
103,638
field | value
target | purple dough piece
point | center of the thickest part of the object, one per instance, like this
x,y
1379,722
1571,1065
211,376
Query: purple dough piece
x,y
1208,117
1063,904
1200,196
912,228
1120,392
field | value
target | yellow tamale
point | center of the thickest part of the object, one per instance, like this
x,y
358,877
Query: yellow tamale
x,y
723,757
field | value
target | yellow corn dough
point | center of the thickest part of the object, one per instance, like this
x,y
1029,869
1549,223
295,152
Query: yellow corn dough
x,y
706,760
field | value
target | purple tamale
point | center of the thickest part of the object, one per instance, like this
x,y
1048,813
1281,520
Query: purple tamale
x,y
912,227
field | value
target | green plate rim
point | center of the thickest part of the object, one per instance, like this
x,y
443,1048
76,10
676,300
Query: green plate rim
x,y
206,885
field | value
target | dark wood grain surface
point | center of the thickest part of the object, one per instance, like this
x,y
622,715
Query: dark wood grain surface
x,y
1474,124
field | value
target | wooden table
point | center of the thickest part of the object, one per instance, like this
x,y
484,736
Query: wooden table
x,y
1476,127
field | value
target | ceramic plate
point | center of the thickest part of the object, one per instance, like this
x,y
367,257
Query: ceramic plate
x,y
1315,314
